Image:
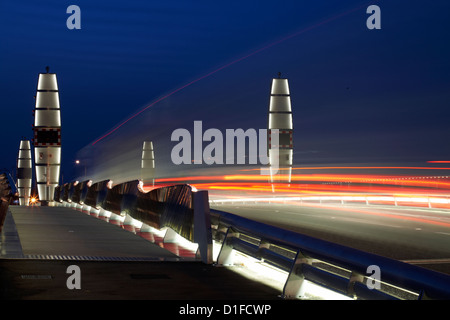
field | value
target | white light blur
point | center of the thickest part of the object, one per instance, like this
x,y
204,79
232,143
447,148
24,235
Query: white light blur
x,y
256,270
181,241
136,223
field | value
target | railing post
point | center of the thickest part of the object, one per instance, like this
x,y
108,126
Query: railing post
x,y
226,254
295,283
263,245
354,277
202,225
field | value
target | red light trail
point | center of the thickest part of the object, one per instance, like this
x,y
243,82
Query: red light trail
x,y
382,189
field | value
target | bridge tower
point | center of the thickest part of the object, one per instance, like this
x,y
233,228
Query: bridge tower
x,y
280,118
24,172
47,137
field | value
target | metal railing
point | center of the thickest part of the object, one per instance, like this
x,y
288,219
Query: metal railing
x,y
336,267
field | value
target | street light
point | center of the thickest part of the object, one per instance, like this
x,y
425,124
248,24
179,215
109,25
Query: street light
x,y
77,162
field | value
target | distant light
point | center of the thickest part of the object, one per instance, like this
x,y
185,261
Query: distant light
x,y
33,200
77,161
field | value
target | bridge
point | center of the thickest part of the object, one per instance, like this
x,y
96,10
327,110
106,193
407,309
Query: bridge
x,y
281,232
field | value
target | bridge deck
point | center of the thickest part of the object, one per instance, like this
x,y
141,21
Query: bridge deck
x,y
39,243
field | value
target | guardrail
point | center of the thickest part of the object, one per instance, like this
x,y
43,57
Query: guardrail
x,y
336,267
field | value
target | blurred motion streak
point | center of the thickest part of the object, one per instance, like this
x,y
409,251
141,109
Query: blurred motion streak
x,y
422,191
431,182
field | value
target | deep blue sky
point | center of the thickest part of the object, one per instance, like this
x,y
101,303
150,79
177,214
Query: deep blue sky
x,y
358,95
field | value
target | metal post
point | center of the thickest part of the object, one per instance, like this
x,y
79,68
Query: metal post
x,y
295,283
354,277
202,225
226,254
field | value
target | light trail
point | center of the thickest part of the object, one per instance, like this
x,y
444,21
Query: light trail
x,y
230,64
315,189
399,168
380,189
431,182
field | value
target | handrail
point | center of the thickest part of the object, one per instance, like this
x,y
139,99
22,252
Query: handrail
x,y
427,283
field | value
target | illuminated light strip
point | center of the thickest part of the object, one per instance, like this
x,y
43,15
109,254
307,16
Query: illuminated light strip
x,y
228,65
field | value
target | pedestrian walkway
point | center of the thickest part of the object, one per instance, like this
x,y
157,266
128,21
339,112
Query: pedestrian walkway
x,y
67,232
40,243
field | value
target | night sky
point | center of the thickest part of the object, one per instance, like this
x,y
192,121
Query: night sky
x,y
358,95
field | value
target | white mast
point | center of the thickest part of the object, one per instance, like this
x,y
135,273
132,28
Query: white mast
x,y
47,137
280,117
24,172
